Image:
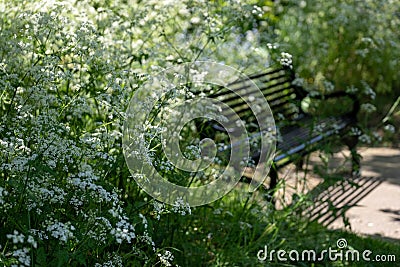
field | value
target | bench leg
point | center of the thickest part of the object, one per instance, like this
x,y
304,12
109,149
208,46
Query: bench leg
x,y
355,161
273,175
351,143
299,163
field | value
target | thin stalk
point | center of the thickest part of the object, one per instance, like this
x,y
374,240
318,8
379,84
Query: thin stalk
x,y
391,110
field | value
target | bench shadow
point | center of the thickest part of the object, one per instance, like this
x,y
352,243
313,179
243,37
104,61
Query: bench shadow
x,y
331,201
386,166
339,191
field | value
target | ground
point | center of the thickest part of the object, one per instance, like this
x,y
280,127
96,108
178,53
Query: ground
x,y
378,213
372,207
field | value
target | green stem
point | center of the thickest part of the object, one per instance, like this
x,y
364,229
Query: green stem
x,y
391,110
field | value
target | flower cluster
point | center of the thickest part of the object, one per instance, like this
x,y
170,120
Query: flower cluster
x,y
390,128
181,207
67,72
286,59
166,258
63,98
60,231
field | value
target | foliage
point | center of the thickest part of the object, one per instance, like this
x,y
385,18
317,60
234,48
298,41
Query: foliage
x,y
345,46
67,72
345,43
61,102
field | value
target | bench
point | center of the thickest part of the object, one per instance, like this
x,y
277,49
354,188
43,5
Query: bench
x,y
300,132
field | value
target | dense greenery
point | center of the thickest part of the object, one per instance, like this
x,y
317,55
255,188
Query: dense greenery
x,y
67,72
346,45
343,43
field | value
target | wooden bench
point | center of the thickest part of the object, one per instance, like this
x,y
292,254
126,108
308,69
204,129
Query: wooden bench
x,y
301,132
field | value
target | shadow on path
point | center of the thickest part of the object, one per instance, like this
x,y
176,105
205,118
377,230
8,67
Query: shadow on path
x,y
369,204
386,166
332,202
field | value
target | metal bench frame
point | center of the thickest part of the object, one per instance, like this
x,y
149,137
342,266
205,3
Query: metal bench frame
x,y
301,133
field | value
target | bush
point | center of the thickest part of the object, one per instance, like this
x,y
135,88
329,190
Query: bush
x,y
346,46
345,43
67,72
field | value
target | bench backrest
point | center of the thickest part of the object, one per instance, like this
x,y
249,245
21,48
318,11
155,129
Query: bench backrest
x,y
276,85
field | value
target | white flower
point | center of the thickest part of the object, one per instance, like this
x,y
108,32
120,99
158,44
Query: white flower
x,y
351,89
367,107
166,258
61,231
271,46
16,237
302,4
257,11
124,231
115,261
368,90
314,93
23,256
319,128
195,20
390,128
144,220
355,131
365,139
217,211
329,87
51,164
32,241
3,193
184,11
181,207
286,59
377,136
159,208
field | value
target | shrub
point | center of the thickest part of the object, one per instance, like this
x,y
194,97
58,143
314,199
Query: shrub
x,y
344,43
67,72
